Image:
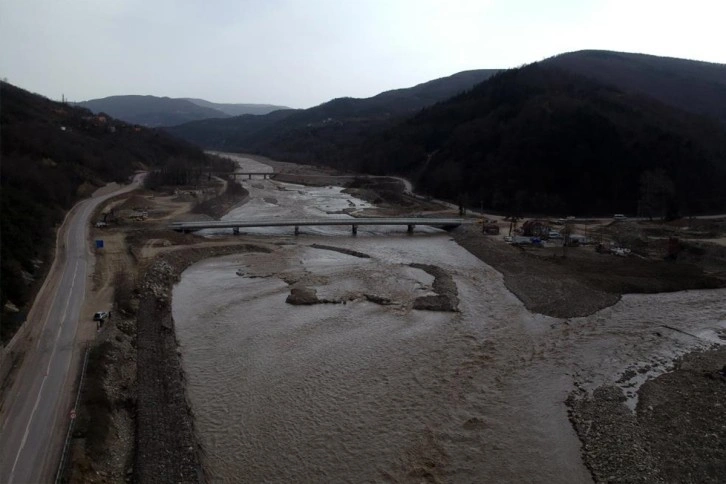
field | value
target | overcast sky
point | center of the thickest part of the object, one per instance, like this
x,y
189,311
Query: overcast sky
x,y
301,53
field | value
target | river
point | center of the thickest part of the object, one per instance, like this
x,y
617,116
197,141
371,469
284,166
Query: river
x,y
361,391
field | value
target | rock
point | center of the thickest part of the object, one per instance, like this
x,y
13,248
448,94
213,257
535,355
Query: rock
x,y
447,295
384,301
302,296
434,303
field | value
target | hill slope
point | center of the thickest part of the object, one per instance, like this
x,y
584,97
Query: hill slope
x,y
698,87
52,155
156,111
237,109
541,139
151,111
315,133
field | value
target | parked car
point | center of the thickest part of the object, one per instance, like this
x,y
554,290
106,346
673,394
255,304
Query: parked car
x,y
620,216
553,234
100,316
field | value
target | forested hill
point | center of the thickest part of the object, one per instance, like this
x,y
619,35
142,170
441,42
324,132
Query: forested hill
x,y
313,134
540,139
152,111
52,154
236,109
695,86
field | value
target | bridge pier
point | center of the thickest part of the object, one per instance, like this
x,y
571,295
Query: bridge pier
x,y
355,229
297,230
410,228
235,230
250,176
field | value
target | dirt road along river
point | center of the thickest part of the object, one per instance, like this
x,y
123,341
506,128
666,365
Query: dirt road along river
x,y
359,386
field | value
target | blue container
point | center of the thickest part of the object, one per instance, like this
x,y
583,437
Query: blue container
x,y
99,244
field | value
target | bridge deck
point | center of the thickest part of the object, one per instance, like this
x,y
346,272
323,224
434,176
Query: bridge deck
x,y
237,224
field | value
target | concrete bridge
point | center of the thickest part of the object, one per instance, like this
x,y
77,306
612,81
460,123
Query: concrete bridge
x,y
248,174
236,225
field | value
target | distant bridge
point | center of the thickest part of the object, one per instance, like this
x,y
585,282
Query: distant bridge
x,y
236,225
248,174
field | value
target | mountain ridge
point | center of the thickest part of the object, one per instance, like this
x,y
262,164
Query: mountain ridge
x,y
237,109
306,128
543,139
157,111
691,85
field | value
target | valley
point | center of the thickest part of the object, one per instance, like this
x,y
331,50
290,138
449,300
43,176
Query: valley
x,y
559,316
363,383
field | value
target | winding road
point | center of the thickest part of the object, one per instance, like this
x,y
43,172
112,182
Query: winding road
x,y
35,412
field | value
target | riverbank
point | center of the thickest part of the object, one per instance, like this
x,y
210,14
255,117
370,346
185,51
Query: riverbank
x,y
543,282
676,433
584,281
166,444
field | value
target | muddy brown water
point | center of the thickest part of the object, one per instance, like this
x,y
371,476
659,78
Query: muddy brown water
x,y
362,392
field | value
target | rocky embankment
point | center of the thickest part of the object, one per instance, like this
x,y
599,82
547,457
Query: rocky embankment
x,y
102,449
166,444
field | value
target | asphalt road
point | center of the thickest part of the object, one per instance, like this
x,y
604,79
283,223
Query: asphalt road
x,y
37,405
